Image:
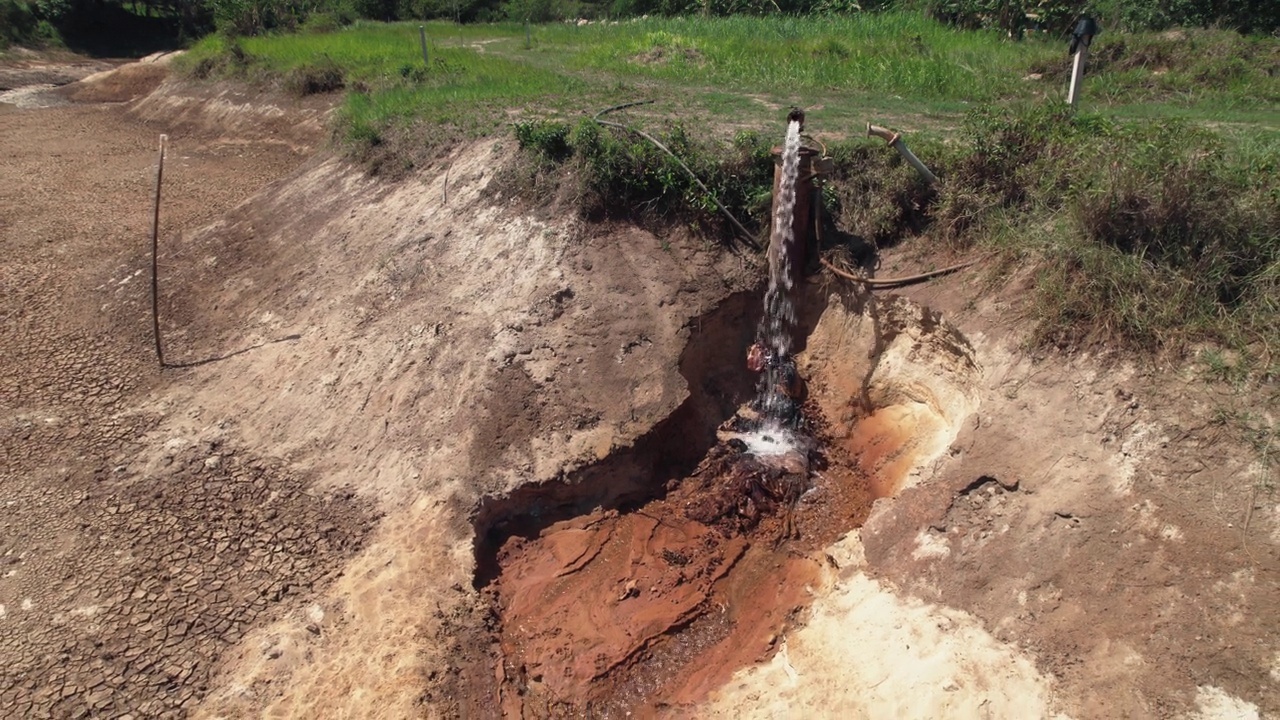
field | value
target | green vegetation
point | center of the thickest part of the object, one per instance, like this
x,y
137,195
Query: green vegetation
x,y
904,54
1152,217
21,24
133,27
1152,236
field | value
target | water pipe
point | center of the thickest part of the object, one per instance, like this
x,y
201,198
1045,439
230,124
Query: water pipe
x,y
895,140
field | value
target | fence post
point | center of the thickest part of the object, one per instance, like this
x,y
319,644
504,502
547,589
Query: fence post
x,y
422,37
155,246
1081,37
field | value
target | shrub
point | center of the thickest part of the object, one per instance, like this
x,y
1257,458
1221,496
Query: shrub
x,y
618,175
1170,235
328,21
19,25
536,11
546,139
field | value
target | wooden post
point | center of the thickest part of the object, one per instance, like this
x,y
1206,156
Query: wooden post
x,y
422,38
1077,75
528,37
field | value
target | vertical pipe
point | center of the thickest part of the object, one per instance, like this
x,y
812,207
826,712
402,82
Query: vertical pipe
x,y
155,265
1077,75
422,38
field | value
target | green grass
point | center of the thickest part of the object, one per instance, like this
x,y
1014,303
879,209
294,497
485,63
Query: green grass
x,y
397,110
734,73
892,53
1153,216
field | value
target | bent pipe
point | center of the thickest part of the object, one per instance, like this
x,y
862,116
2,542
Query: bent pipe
x,y
895,140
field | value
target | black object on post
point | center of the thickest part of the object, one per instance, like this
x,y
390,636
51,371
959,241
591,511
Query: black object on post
x,y
1086,28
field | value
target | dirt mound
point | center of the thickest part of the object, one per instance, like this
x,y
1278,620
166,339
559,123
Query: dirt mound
x,y
226,111
122,84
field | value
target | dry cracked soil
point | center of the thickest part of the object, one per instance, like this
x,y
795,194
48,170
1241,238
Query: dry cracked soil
x,y
419,451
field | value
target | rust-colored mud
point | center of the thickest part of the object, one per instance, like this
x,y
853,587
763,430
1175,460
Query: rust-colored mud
x,y
643,612
888,444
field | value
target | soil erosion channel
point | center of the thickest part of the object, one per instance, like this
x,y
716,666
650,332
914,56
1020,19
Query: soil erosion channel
x,y
663,569
646,580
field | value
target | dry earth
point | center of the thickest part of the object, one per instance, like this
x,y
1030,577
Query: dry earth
x,y
363,373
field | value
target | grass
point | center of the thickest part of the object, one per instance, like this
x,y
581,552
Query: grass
x,y
398,110
893,53
1153,216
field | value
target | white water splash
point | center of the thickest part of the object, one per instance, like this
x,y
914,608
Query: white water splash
x,y
766,442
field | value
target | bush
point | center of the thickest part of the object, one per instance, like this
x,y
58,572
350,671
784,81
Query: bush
x,y
535,11
20,25
254,17
545,139
1154,234
1247,16
328,21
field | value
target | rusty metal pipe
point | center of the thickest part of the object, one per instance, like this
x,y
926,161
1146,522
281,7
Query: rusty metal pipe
x,y
895,141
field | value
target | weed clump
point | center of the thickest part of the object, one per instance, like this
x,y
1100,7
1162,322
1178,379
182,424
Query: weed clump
x,y
321,76
1177,65
611,174
875,195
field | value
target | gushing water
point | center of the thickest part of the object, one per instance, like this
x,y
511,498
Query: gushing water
x,y
779,309
777,404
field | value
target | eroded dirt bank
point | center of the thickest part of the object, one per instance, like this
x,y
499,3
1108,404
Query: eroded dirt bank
x,y
1079,550
646,607
287,526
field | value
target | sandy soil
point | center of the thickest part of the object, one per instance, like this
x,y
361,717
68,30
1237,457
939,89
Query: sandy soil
x,y
368,379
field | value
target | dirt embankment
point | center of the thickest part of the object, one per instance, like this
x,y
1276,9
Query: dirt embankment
x,y
1067,536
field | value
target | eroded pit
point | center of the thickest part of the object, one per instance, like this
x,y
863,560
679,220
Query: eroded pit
x,y
639,584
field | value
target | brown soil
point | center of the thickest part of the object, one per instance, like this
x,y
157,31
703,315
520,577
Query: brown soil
x,y
619,614
644,610
377,371
134,554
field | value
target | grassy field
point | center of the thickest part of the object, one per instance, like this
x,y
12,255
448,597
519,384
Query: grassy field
x,y
1153,214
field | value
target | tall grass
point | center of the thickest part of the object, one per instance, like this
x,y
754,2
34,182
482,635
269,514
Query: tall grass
x,y
899,53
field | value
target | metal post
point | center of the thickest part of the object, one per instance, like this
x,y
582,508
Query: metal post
x,y
1077,75
155,264
422,37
